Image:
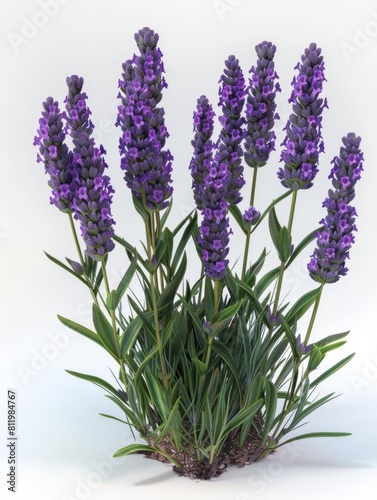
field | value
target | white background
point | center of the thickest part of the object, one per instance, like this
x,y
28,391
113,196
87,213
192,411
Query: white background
x,y
64,447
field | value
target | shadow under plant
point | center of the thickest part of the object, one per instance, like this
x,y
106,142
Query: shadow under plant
x,y
213,370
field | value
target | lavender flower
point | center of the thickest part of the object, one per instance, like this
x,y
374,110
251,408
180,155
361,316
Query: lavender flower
x,y
327,262
250,216
202,158
229,152
261,106
303,141
94,192
55,155
147,166
214,229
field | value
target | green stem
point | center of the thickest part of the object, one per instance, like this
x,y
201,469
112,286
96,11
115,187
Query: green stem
x,y
76,240
313,316
295,390
247,242
150,235
81,257
114,327
282,265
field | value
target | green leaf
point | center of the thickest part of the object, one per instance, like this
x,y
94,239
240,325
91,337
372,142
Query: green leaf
x,y
222,320
300,247
228,358
133,448
242,416
130,335
315,358
140,208
273,225
82,330
270,207
66,268
201,367
266,281
271,398
124,282
170,422
104,330
166,214
237,214
157,394
331,338
283,244
309,409
97,381
331,370
303,304
114,418
188,232
168,295
315,435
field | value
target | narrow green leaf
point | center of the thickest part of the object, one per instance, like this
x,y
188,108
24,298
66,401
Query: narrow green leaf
x,y
104,329
331,338
283,244
66,268
273,225
201,367
130,335
114,418
156,392
315,435
168,294
166,214
82,330
303,304
331,370
227,356
300,247
270,206
125,282
242,416
271,398
192,225
315,358
170,422
332,347
237,214
95,380
133,448
266,281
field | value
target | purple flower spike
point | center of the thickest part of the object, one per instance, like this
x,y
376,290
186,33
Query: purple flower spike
x,y
202,158
56,157
327,262
303,141
94,194
214,229
232,98
261,106
147,166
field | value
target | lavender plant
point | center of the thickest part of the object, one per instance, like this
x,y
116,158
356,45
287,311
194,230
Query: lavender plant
x,y
213,369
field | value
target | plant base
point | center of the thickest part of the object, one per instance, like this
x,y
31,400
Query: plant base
x,y
231,454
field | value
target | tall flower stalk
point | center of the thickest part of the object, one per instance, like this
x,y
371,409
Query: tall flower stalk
x,y
260,119
146,163
337,235
56,157
303,141
229,151
93,196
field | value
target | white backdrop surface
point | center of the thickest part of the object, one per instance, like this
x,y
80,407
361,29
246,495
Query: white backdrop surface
x,y
64,447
